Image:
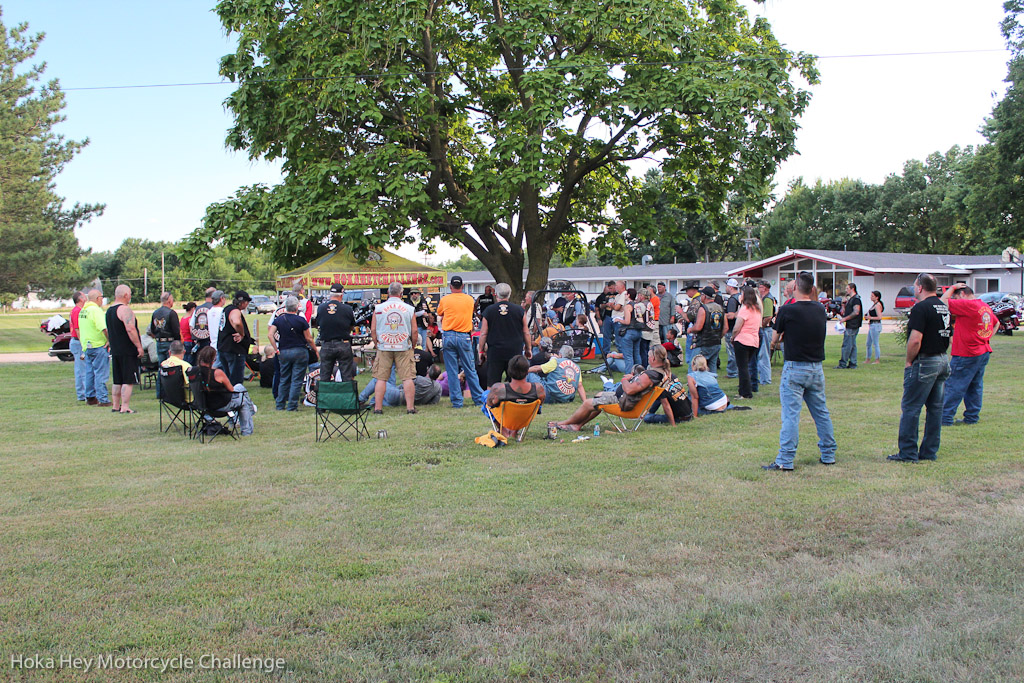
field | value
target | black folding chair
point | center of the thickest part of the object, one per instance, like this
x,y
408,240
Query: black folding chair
x,y
212,422
174,402
339,399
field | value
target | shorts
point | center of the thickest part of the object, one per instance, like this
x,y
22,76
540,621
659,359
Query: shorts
x,y
402,360
124,369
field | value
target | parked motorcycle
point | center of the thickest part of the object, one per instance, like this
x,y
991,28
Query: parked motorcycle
x,y
60,335
1007,315
833,308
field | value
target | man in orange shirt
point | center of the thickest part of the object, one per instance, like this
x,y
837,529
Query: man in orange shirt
x,y
455,318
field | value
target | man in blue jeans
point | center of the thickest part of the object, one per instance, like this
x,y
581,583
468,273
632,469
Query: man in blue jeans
x,y
976,324
802,325
455,318
853,316
924,377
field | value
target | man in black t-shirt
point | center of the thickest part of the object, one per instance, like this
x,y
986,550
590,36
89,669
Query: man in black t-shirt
x,y
732,305
503,334
336,320
802,326
927,367
853,315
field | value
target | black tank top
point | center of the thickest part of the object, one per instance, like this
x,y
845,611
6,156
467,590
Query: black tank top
x,y
225,342
517,397
216,397
120,343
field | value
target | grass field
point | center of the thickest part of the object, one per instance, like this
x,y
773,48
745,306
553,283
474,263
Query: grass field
x,y
664,555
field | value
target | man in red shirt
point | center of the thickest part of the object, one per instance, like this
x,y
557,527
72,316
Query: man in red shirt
x,y
75,347
975,325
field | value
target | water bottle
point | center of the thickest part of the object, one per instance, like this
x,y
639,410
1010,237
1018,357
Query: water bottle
x,y
597,429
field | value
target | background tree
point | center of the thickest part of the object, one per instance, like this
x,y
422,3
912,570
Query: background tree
x,y
498,127
36,230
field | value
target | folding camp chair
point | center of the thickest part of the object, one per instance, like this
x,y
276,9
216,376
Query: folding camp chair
x,y
211,423
341,399
513,417
636,414
174,401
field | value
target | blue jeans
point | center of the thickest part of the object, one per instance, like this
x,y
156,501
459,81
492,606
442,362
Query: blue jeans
x,y
689,350
629,344
234,365
874,339
923,384
393,396
803,383
76,348
965,383
764,357
97,372
711,353
607,332
613,365
848,359
242,405
458,357
294,362
656,418
730,367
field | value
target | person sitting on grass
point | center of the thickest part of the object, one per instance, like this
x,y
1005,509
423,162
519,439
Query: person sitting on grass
x,y
222,396
675,403
706,397
560,377
426,388
628,393
519,390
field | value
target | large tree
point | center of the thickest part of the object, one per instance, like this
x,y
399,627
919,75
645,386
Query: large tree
x,y
491,125
39,246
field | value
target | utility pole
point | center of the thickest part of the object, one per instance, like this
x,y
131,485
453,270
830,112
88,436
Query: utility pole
x,y
750,241
145,283
163,285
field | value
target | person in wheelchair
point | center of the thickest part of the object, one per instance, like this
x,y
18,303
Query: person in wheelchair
x,y
222,395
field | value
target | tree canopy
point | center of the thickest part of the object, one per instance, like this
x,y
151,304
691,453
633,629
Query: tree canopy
x,y
36,230
498,127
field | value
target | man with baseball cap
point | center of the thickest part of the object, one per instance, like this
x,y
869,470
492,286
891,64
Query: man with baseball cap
x,y
692,304
709,327
455,318
732,304
336,319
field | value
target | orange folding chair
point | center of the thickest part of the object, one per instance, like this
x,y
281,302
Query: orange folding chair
x,y
514,418
636,414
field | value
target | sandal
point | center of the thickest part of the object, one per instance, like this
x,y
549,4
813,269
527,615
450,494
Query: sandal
x,y
127,412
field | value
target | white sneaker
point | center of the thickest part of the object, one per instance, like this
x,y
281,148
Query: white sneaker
x,y
606,380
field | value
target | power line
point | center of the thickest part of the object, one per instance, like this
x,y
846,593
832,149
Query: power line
x,y
501,70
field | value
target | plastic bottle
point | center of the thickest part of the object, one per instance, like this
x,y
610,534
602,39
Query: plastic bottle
x,y
597,429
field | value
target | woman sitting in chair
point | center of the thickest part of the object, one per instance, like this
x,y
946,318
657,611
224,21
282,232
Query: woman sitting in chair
x,y
519,390
629,393
221,395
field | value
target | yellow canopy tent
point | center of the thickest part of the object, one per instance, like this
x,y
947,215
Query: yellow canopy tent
x,y
380,269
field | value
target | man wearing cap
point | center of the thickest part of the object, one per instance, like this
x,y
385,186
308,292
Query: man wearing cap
x,y
335,320
666,310
691,307
421,310
557,311
455,318
732,304
709,327
234,339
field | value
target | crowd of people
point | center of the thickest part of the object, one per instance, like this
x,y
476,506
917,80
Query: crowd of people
x,y
495,350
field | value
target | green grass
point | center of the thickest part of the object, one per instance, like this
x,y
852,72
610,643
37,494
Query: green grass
x,y
19,332
664,555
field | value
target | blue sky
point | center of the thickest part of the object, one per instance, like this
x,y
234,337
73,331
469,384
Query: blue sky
x,y
157,155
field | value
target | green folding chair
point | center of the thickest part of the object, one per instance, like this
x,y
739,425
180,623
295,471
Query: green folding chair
x,y
338,410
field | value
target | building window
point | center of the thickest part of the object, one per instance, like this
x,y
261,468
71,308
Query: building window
x,y
986,284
